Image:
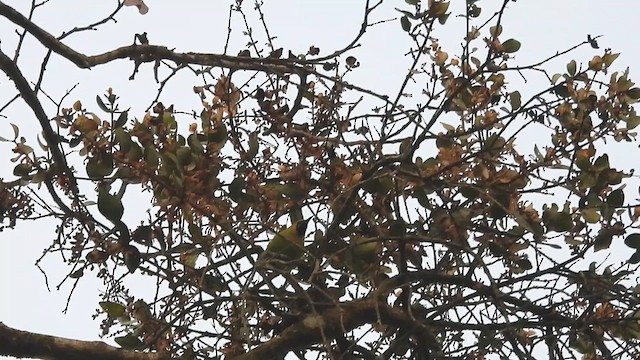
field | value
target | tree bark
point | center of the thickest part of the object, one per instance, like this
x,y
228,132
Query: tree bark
x,y
23,344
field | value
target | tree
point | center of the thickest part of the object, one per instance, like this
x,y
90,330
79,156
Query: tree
x,y
432,234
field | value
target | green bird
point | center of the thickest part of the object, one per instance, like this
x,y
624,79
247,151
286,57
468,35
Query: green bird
x,y
288,244
364,255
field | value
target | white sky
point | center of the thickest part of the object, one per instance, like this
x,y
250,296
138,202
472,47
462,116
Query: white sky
x,y
542,26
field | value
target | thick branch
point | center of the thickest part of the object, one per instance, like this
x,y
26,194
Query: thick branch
x,y
334,322
349,316
13,72
24,344
146,53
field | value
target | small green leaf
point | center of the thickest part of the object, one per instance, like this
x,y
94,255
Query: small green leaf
x,y
99,168
561,90
195,142
122,119
571,67
152,156
253,145
405,23
236,189
601,163
474,11
555,220
608,59
101,104
635,258
39,177
616,198
437,9
77,274
633,241
21,170
633,93
113,309
495,31
632,122
602,240
442,19
129,342
407,14
190,257
515,100
142,234
131,257
590,215
16,131
510,46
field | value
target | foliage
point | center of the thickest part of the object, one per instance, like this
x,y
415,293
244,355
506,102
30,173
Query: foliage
x,y
433,232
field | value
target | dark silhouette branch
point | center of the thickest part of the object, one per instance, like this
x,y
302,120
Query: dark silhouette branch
x,y
22,344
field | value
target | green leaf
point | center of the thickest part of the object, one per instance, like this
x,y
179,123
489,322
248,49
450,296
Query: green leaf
x,y
195,231
590,215
22,170
236,189
293,191
99,168
603,240
190,257
571,68
494,144
407,14
183,155
633,241
515,100
123,138
635,258
608,59
110,206
510,46
213,283
601,163
254,145
616,198
195,142
405,23
633,93
39,177
122,119
469,192
421,195
113,309
412,2
561,90
632,122
142,234
438,9
152,156
131,257
16,131
101,104
134,153
495,31
555,220
129,342
474,11
77,274
442,19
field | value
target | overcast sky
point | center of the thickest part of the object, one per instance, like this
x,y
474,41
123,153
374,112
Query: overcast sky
x,y
543,27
